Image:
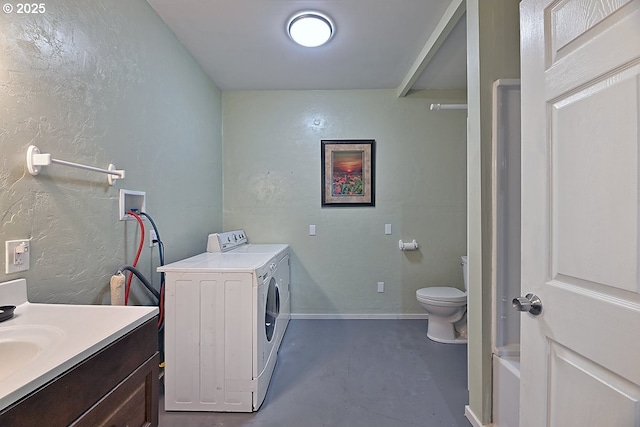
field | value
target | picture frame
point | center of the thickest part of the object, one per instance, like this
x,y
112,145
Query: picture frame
x,y
348,172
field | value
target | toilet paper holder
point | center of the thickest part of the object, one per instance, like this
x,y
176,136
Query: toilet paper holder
x,y
408,246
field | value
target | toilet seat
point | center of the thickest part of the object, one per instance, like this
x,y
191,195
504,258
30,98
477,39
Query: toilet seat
x,y
442,294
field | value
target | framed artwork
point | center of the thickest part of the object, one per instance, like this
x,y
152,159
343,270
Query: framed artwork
x,y
348,172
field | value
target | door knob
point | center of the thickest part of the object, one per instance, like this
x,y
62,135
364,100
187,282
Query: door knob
x,y
530,303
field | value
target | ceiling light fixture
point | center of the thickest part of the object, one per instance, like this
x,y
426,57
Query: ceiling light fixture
x,y
310,29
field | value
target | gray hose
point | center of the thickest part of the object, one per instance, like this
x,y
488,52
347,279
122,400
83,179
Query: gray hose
x,y
143,279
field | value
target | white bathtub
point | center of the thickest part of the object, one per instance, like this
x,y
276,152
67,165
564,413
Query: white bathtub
x,y
506,389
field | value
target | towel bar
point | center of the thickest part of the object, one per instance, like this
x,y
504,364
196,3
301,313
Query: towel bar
x,y
35,160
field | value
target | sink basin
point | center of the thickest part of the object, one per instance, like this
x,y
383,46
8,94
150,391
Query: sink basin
x,y
21,345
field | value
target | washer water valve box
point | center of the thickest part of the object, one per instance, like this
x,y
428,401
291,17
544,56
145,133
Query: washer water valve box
x,y
131,200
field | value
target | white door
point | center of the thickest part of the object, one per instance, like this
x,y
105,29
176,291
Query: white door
x,y
580,212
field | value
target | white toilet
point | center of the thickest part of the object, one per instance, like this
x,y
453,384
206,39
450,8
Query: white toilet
x,y
447,308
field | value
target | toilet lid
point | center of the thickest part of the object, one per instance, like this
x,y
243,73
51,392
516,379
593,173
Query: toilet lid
x,y
442,294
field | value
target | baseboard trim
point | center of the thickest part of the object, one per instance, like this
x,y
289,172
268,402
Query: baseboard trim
x,y
475,421
359,316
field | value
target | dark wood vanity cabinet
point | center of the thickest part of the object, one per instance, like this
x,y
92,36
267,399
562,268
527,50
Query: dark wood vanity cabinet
x,y
115,387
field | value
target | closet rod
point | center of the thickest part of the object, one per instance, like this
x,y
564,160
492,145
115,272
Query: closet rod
x,y
448,106
35,160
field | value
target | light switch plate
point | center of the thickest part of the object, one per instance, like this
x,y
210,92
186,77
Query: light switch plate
x,y
312,230
387,229
16,255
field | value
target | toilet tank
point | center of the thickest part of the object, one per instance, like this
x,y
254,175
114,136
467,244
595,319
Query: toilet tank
x,y
465,271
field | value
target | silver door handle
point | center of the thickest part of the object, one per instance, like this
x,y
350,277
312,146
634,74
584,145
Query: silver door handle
x,y
530,303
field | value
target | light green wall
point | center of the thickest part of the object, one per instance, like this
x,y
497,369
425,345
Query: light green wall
x,y
99,82
493,53
272,190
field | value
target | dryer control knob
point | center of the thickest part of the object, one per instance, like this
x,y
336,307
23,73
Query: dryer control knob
x,y
272,266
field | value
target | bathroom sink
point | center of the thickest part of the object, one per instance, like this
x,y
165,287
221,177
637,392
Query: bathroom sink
x,y
40,342
23,344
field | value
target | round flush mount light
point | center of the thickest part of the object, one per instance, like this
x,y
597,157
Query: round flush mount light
x,y
310,29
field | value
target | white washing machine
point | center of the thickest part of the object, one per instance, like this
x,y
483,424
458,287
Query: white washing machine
x,y
226,312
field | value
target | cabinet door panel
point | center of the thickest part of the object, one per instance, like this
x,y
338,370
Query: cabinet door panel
x,y
132,403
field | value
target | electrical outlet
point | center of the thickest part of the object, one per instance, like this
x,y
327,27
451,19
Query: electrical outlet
x,y
17,255
153,238
380,287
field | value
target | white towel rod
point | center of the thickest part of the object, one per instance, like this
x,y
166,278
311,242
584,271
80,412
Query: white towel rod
x,y
448,107
35,160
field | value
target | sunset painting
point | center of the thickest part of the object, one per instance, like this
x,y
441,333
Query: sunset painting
x,y
348,172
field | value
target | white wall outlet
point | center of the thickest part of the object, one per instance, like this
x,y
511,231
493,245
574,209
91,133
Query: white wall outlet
x,y
17,255
380,287
312,230
153,238
387,229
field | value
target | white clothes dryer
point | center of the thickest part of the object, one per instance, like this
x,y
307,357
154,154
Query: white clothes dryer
x,y
225,316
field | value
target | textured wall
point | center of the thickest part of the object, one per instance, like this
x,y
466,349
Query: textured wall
x,y
272,190
99,82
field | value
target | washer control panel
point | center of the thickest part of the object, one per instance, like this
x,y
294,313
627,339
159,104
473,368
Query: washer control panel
x,y
226,241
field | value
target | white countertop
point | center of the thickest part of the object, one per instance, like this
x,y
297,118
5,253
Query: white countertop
x,y
219,262
71,333
245,258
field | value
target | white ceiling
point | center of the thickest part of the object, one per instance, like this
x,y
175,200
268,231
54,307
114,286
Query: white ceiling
x,y
243,44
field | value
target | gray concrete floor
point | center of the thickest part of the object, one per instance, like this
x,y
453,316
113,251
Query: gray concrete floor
x,y
352,373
